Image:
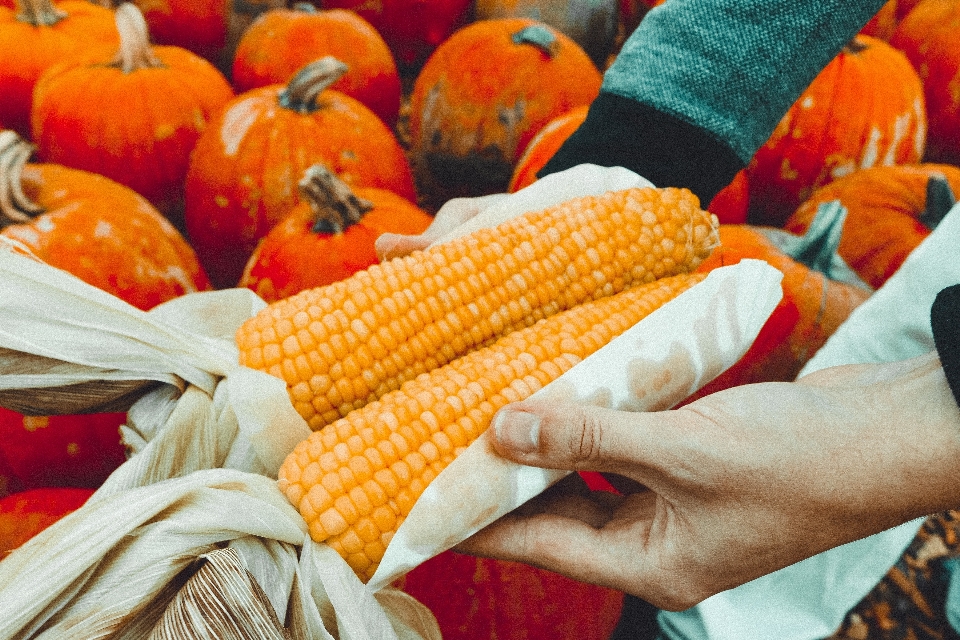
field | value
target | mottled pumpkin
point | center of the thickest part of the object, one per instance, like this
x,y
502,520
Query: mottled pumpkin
x,y
819,293
412,28
152,103
244,170
485,93
24,515
35,36
283,41
928,37
328,236
864,109
98,230
890,211
485,598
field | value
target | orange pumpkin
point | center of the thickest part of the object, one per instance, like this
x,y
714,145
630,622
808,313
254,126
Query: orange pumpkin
x,y
928,37
199,26
890,210
729,205
815,301
486,598
864,109
58,451
38,35
483,95
328,236
411,28
282,41
152,103
244,170
98,230
883,23
24,515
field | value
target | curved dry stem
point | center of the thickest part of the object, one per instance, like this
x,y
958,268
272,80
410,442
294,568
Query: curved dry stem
x,y
135,50
39,13
15,206
301,93
334,205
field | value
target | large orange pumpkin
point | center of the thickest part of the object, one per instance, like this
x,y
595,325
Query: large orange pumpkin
x,y
24,515
244,170
486,598
928,37
151,104
483,95
328,236
283,41
37,35
890,210
98,230
815,301
864,109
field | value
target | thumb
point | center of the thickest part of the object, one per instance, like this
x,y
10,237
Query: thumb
x,y
395,245
569,436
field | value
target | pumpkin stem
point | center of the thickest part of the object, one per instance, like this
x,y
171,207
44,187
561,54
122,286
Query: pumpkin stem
x,y
818,245
15,206
301,93
940,201
135,50
335,207
304,7
539,36
855,46
39,13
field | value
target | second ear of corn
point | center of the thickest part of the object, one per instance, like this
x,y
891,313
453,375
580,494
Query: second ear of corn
x,y
355,480
342,346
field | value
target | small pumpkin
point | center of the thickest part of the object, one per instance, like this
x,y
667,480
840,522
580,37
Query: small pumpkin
x,y
890,211
243,173
328,236
152,103
487,598
928,37
485,93
98,230
730,204
819,293
282,41
59,451
25,514
412,28
38,34
591,23
865,108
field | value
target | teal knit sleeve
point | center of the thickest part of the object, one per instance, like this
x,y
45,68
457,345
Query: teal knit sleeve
x,y
733,67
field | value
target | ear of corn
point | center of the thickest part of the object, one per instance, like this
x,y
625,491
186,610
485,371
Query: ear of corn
x,y
341,346
355,480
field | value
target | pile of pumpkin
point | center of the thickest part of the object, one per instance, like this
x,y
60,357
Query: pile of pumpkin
x,y
159,148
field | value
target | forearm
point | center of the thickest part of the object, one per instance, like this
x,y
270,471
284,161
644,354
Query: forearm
x,y
721,73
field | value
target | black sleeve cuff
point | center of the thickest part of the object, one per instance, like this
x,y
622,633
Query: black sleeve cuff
x,y
665,150
945,322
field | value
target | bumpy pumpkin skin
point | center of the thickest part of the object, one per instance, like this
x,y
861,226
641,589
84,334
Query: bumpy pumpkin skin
x,y
293,257
884,205
928,36
144,127
24,515
282,41
106,235
199,26
58,451
482,96
866,108
486,598
28,51
412,28
812,308
243,173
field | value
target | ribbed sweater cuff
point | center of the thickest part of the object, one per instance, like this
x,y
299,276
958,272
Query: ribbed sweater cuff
x,y
665,150
945,322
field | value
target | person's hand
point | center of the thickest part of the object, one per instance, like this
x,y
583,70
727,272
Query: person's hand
x,y
738,484
451,215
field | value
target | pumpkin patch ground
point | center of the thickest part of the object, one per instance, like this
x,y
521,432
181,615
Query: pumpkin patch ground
x,y
163,147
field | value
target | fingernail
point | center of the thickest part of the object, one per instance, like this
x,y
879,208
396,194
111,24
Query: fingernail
x,y
517,430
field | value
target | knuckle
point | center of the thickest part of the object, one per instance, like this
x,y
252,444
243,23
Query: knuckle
x,y
586,440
